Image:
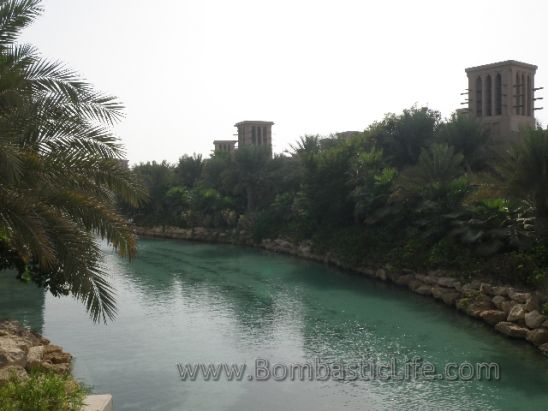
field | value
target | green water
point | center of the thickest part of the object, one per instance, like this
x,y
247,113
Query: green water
x,y
185,302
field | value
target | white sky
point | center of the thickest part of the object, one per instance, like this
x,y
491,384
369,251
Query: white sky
x,y
187,70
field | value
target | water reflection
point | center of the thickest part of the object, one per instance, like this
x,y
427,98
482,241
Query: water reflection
x,y
21,301
183,302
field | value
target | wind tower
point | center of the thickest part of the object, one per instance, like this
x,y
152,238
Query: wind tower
x,y
256,133
502,97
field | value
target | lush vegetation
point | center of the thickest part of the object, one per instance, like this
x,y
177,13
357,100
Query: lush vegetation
x,y
412,190
60,171
42,391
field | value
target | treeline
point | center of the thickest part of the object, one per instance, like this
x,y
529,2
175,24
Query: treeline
x,y
412,190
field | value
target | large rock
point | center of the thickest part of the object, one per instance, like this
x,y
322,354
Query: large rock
x,y
538,336
471,288
516,314
532,304
498,300
35,356
448,295
534,319
12,371
404,279
427,279
507,305
493,316
487,289
500,291
424,289
544,349
13,351
518,296
448,282
381,274
511,329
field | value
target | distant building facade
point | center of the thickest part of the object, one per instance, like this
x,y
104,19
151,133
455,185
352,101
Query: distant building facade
x,y
225,145
250,133
501,97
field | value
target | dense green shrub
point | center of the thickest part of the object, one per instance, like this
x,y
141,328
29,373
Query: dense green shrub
x,y
43,391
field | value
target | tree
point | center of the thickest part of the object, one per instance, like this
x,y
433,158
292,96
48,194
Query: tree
x,y
189,169
524,174
403,136
467,136
60,171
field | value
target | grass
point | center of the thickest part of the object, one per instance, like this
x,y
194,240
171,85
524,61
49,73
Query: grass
x,y
43,391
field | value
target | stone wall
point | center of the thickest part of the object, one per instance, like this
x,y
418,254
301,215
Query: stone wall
x,y
513,313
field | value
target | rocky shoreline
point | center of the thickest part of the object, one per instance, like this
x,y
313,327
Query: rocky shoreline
x,y
22,350
518,314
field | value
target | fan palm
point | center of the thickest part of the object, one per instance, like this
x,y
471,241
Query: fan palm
x,y
60,171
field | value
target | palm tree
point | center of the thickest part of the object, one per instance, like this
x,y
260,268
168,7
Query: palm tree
x,y
60,171
524,174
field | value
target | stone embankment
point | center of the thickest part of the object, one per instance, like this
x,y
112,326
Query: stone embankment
x,y
514,313
22,349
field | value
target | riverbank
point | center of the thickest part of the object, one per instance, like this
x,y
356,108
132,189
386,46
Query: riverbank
x,y
519,314
24,352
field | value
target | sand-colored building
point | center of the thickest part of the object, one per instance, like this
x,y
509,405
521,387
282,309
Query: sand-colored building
x,y
255,133
502,97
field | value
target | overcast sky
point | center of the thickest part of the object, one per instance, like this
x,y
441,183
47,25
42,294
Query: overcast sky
x,y
187,70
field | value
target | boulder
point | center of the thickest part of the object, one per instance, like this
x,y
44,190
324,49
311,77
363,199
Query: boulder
x,y
487,289
507,305
498,300
493,316
448,282
500,291
404,279
35,356
448,295
12,371
427,279
471,287
380,274
516,314
534,319
538,336
517,296
424,289
544,349
545,324
511,329
414,284
532,303
13,351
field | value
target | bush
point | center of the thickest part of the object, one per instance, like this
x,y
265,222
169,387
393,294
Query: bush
x,y
43,391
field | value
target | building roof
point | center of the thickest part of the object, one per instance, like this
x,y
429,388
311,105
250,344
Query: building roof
x,y
266,123
501,64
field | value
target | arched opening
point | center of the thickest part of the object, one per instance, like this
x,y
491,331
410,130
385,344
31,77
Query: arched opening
x,y
488,96
479,97
517,91
498,95
529,96
522,94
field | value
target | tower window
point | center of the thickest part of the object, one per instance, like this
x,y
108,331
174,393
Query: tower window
x,y
479,95
529,97
522,94
253,134
488,96
498,94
